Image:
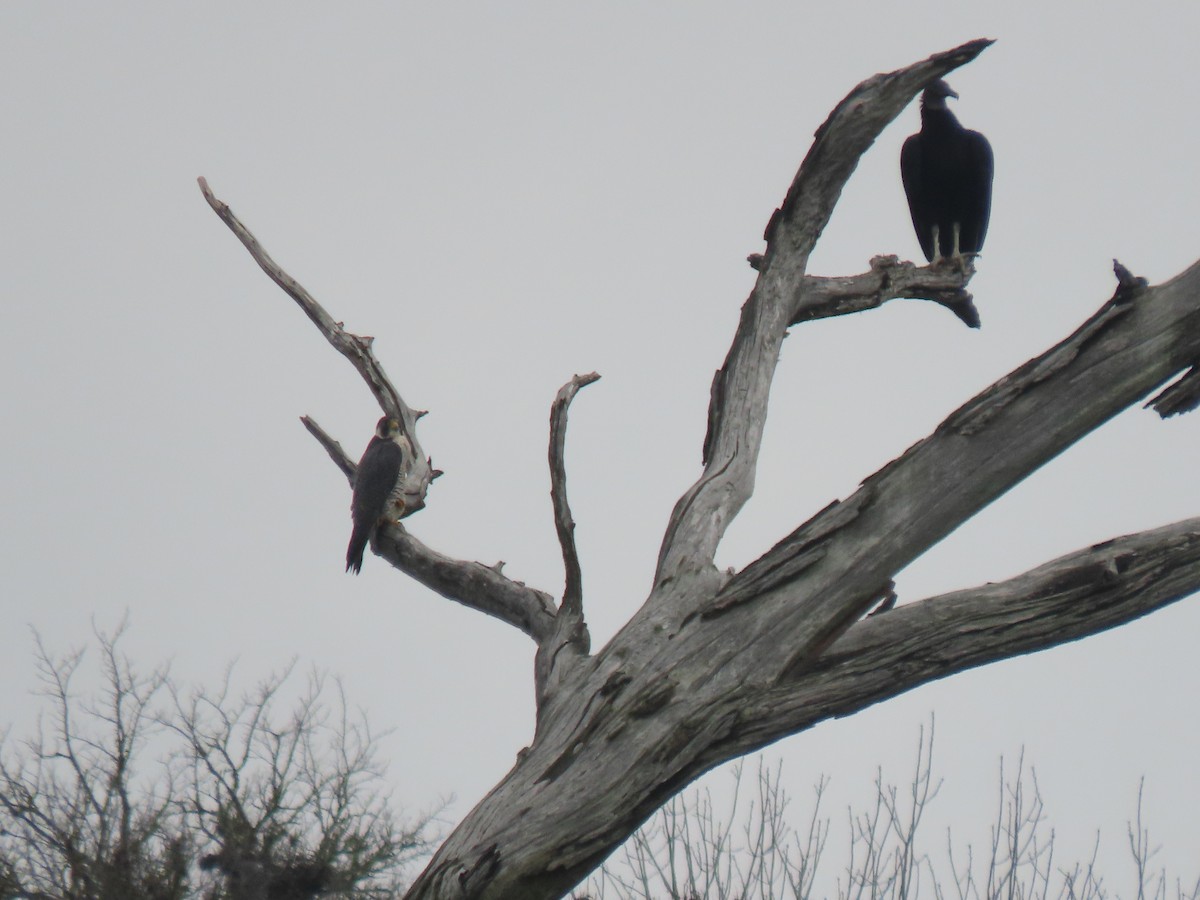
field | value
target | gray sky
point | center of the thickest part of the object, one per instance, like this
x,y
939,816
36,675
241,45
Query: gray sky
x,y
509,194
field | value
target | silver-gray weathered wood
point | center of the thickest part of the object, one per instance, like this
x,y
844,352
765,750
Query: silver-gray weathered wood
x,y
715,665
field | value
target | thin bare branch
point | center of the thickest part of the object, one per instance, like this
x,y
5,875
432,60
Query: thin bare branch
x,y
564,524
71,812
357,349
741,388
569,641
288,796
471,584
332,447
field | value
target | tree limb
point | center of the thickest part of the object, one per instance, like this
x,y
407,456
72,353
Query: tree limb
x,y
1074,596
685,679
889,279
570,634
979,452
741,387
822,297
472,584
696,675
357,349
572,602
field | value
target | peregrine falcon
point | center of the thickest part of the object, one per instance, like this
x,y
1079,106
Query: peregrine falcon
x,y
379,471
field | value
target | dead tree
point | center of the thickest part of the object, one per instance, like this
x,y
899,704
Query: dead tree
x,y
715,665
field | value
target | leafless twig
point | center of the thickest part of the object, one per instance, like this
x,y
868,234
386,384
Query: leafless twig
x,y
356,349
564,524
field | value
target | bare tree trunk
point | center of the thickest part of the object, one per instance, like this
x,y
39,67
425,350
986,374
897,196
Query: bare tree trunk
x,y
714,666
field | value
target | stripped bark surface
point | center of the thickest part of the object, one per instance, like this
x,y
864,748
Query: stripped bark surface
x,y
714,665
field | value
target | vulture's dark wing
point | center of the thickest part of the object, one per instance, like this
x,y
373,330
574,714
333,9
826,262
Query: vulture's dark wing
x,y
977,191
918,203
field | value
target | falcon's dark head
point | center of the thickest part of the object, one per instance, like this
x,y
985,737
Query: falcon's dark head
x,y
935,95
387,428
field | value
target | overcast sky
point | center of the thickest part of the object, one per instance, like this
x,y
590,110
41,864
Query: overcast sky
x,y
508,194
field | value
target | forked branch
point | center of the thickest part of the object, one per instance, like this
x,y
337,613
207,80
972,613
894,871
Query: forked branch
x,y
355,348
713,665
822,297
820,579
1076,595
738,405
473,584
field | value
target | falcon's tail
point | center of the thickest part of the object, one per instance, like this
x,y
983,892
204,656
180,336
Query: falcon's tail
x,y
358,543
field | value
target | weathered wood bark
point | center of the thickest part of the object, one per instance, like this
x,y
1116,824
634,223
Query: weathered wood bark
x,y
710,669
714,666
418,471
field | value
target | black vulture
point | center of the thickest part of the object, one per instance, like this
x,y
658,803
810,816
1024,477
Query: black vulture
x,y
947,172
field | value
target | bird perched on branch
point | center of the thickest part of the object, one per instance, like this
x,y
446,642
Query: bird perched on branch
x,y
947,173
379,474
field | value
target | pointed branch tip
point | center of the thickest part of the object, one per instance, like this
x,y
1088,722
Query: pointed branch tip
x,y
564,523
332,447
